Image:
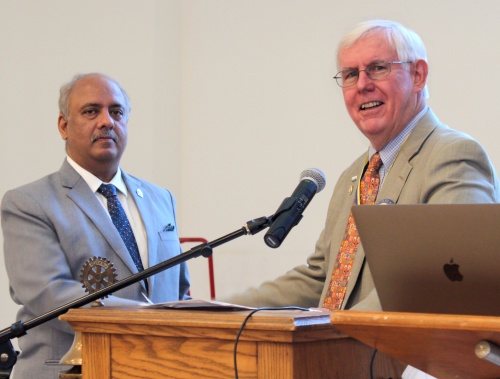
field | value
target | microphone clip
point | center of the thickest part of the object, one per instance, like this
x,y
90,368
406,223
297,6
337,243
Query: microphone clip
x,y
257,225
288,204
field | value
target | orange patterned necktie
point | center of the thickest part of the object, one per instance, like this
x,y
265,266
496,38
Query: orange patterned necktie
x,y
345,258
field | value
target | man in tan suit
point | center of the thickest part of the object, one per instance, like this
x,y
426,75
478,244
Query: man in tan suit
x,y
383,73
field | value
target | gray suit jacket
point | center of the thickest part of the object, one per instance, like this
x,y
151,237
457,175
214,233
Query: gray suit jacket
x,y
435,165
51,227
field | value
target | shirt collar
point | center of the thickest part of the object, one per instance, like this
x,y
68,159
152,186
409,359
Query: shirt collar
x,y
94,182
390,151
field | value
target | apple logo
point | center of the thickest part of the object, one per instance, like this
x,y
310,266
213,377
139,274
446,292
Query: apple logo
x,y
452,272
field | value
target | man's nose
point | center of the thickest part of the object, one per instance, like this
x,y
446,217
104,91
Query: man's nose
x,y
105,119
363,80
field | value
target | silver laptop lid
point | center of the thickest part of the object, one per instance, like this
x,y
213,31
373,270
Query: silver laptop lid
x,y
433,258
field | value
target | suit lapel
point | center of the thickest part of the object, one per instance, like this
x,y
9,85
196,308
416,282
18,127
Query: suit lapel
x,y
85,199
360,256
400,170
143,201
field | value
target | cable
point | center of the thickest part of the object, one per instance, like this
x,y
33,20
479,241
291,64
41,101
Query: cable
x,y
235,353
371,363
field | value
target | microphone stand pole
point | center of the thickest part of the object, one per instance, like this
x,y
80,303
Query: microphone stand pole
x,y
8,356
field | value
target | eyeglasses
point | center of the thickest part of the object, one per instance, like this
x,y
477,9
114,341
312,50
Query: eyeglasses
x,y
375,71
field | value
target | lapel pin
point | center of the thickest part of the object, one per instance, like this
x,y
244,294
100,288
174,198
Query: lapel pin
x,y
386,202
354,178
350,189
139,192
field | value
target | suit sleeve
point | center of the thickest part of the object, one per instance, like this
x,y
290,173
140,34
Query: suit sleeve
x,y
301,286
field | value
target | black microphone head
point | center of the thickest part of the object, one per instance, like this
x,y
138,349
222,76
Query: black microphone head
x,y
316,175
290,211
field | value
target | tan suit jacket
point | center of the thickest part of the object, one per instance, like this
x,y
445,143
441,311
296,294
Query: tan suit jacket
x,y
435,165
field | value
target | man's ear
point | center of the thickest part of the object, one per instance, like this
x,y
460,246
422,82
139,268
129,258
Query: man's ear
x,y
62,125
420,74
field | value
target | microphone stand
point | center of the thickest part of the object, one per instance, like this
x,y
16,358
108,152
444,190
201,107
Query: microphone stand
x,y
8,356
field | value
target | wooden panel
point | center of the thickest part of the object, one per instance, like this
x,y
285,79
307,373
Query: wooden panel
x,y
441,345
151,357
96,349
344,358
275,360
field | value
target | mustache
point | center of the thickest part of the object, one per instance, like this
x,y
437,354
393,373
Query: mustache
x,y
104,134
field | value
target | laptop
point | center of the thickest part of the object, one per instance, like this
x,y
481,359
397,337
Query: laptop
x,y
433,258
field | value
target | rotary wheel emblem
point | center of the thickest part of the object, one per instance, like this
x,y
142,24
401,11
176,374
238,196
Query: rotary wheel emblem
x,y
97,273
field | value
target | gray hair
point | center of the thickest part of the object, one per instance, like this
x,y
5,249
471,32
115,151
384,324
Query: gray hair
x,y
408,44
67,89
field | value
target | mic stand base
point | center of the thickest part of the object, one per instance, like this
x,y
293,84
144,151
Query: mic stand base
x,y
8,357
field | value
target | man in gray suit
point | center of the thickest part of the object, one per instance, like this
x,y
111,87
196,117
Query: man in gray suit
x,y
383,73
55,226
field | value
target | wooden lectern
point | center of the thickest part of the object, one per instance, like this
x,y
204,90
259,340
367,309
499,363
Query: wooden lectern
x,y
119,343
440,345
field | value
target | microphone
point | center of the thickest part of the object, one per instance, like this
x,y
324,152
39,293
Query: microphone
x,y
290,211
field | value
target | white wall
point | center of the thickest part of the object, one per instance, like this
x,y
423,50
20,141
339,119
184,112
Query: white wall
x,y
43,44
231,101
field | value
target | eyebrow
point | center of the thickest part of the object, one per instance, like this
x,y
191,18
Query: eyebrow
x,y
356,68
98,105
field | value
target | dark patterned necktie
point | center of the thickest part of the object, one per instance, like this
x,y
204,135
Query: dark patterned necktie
x,y
121,222
349,246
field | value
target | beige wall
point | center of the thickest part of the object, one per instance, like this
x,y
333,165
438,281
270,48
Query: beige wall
x,y
231,101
